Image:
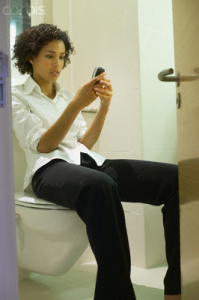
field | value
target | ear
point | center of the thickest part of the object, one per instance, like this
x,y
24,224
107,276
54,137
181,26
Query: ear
x,y
31,61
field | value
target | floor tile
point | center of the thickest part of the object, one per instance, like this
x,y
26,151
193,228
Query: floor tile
x,y
149,277
80,276
79,284
147,293
49,288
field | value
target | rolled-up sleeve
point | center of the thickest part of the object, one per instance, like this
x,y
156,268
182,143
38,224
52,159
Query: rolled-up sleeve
x,y
28,127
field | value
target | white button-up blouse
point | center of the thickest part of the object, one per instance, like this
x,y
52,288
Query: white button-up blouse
x,y
33,114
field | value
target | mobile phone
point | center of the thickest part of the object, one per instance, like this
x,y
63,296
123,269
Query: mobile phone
x,y
97,71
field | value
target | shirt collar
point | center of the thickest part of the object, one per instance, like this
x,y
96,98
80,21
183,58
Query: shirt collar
x,y
30,85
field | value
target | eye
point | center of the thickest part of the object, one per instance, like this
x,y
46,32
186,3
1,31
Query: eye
x,y
49,56
62,57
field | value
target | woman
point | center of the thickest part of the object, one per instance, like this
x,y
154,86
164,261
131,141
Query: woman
x,y
62,169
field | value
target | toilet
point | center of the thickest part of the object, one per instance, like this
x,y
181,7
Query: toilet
x,y
50,238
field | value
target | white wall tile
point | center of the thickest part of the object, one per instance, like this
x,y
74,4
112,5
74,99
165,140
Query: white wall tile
x,y
156,15
137,208
122,154
122,130
166,156
117,53
159,120
151,209
136,233
156,54
155,243
104,18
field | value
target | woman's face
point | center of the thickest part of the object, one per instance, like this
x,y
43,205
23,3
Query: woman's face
x,y
49,63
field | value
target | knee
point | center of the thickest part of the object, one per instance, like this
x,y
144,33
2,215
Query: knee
x,y
100,184
97,195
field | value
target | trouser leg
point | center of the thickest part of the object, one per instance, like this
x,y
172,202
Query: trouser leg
x,y
107,234
137,181
172,280
155,184
95,197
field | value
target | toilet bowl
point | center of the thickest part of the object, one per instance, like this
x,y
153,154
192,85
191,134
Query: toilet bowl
x,y
50,238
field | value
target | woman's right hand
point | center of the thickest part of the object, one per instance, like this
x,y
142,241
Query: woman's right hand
x,y
85,94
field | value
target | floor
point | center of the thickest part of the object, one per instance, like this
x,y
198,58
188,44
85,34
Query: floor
x,y
79,284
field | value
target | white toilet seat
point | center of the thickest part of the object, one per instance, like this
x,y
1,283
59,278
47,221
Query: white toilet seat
x,y
31,201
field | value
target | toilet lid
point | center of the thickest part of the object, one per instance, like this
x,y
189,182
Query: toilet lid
x,y
30,200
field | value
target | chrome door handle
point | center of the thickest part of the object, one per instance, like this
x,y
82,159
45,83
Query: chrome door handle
x,y
164,76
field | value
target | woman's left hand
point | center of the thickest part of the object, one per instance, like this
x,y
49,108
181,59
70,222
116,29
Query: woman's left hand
x,y
104,91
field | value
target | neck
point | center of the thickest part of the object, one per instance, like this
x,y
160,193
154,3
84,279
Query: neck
x,y
47,88
50,91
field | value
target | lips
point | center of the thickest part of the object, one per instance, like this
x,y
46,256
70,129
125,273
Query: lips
x,y
55,73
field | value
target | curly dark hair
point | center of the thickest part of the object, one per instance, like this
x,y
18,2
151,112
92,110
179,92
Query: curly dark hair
x,y
29,43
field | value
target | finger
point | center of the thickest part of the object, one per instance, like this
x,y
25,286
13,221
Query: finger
x,y
106,84
98,78
103,92
106,79
101,86
104,97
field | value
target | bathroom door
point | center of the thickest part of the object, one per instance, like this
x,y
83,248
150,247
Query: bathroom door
x,y
186,42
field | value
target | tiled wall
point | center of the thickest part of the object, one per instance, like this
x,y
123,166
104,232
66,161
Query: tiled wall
x,y
158,105
102,35
158,98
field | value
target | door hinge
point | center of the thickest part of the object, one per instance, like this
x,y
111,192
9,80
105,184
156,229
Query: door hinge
x,y
3,75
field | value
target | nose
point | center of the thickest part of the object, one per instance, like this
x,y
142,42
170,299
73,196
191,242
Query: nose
x,y
55,62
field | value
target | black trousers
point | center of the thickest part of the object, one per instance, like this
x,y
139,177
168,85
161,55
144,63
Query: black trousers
x,y
96,194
